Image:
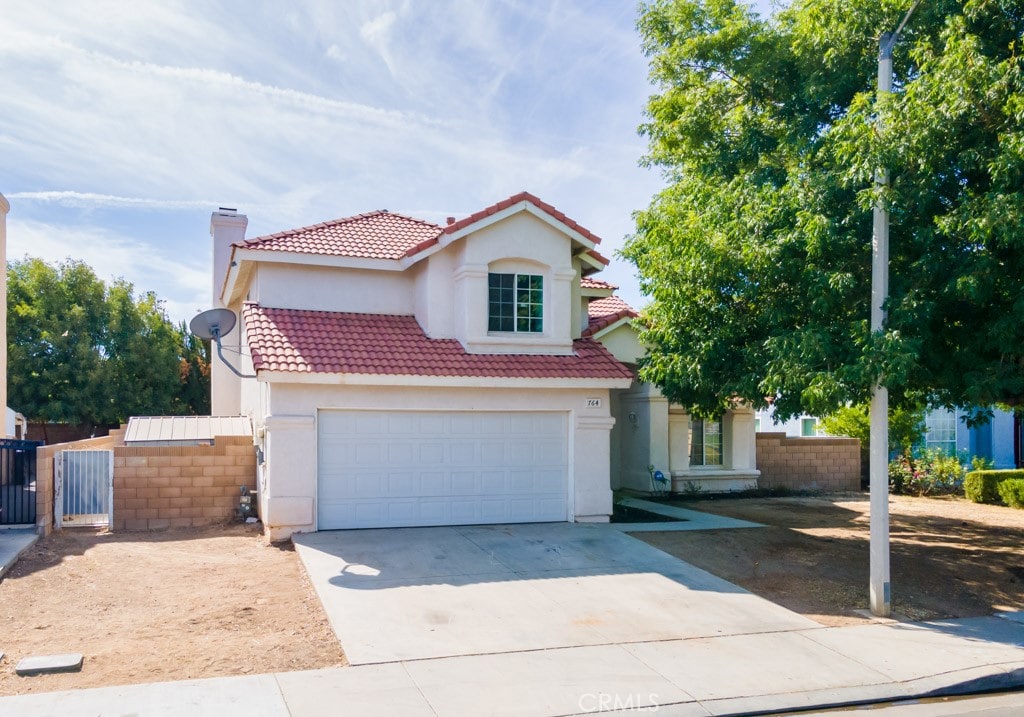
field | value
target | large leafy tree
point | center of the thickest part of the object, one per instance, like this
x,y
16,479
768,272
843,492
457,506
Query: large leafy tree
x,y
80,351
757,254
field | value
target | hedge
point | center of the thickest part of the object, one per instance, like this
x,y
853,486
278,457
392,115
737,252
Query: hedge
x,y
983,486
1011,490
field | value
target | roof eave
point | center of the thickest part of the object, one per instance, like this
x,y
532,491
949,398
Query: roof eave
x,y
367,379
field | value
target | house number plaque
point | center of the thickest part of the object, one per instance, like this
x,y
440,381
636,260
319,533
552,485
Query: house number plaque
x,y
593,403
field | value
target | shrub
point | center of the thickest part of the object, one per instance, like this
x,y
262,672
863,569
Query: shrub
x,y
1011,490
983,486
930,472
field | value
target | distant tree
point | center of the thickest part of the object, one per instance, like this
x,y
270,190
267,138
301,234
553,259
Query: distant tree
x,y
906,428
80,351
757,254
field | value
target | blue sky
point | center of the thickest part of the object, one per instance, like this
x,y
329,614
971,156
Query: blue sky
x,y
123,125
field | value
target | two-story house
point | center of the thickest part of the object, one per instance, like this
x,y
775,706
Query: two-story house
x,y
409,374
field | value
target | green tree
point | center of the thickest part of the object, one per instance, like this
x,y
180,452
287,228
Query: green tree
x,y
757,253
80,351
906,428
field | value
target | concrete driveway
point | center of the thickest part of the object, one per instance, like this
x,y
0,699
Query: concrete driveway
x,y
419,593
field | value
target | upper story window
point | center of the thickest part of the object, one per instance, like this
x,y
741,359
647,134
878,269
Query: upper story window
x,y
516,303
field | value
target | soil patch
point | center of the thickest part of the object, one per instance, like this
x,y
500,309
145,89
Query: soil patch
x,y
148,607
948,557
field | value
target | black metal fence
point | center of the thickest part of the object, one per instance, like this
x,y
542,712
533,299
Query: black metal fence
x,y
18,482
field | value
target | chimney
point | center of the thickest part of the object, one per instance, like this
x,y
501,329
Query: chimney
x,y
4,208
227,226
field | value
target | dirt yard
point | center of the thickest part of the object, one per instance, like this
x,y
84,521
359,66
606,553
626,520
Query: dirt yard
x,y
146,607
949,557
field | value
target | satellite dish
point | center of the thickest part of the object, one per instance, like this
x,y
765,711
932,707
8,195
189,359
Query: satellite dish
x,y
213,324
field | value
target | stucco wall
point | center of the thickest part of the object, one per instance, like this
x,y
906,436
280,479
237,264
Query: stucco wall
x,y
812,463
290,489
318,288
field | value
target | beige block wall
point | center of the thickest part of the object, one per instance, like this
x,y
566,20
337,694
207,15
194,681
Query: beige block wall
x,y
811,463
158,487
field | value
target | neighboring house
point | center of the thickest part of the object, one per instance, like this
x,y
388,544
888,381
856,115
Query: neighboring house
x,y
414,374
998,440
803,425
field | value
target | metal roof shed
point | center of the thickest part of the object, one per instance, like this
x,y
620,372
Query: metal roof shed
x,y
183,430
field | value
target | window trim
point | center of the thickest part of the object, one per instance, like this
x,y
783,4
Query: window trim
x,y
947,445
532,303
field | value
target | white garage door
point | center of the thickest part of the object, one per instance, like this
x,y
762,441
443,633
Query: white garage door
x,y
406,468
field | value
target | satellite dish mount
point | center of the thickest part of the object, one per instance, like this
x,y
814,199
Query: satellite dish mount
x,y
211,325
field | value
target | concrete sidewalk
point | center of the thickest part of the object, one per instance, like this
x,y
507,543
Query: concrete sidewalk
x,y
14,542
734,674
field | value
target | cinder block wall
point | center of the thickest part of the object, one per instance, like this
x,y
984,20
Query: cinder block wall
x,y
44,472
158,487
163,486
811,463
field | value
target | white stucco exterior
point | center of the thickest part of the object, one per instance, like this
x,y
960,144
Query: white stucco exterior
x,y
614,428
5,207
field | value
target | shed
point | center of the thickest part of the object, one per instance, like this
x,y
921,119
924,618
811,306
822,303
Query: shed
x,y
183,430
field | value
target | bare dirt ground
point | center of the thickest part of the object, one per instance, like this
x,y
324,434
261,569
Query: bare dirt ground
x,y
148,607
949,557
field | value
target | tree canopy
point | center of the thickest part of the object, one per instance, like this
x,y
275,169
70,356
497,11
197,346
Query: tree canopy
x,y
80,351
757,254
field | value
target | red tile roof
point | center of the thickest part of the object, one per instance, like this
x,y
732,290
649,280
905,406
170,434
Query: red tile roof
x,y
335,342
515,199
605,312
588,282
386,235
375,235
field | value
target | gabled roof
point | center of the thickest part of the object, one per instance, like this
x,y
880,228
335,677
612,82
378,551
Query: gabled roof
x,y
605,312
386,235
374,235
329,342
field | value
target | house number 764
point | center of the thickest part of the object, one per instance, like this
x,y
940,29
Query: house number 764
x,y
593,403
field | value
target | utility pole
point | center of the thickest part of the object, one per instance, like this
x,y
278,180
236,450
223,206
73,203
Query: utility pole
x,y
878,470
881,594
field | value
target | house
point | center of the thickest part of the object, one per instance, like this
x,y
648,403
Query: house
x,y
402,373
999,440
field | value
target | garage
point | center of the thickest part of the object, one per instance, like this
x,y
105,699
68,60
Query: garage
x,y
379,469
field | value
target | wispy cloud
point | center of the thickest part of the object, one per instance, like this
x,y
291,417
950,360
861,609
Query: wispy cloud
x,y
91,199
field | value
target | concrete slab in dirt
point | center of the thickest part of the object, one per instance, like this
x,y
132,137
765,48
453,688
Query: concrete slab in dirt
x,y
548,682
46,664
422,593
255,696
13,543
384,690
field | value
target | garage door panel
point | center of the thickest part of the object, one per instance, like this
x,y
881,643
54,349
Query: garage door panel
x,y
436,468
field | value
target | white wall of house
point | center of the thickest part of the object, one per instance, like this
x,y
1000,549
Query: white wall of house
x,y
226,227
320,288
519,243
5,207
288,498
802,425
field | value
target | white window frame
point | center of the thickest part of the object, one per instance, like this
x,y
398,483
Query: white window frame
x,y
517,304
940,430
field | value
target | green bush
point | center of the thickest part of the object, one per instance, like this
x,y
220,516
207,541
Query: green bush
x,y
929,472
1011,490
983,486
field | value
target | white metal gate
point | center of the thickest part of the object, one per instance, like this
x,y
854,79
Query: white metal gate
x,y
83,488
